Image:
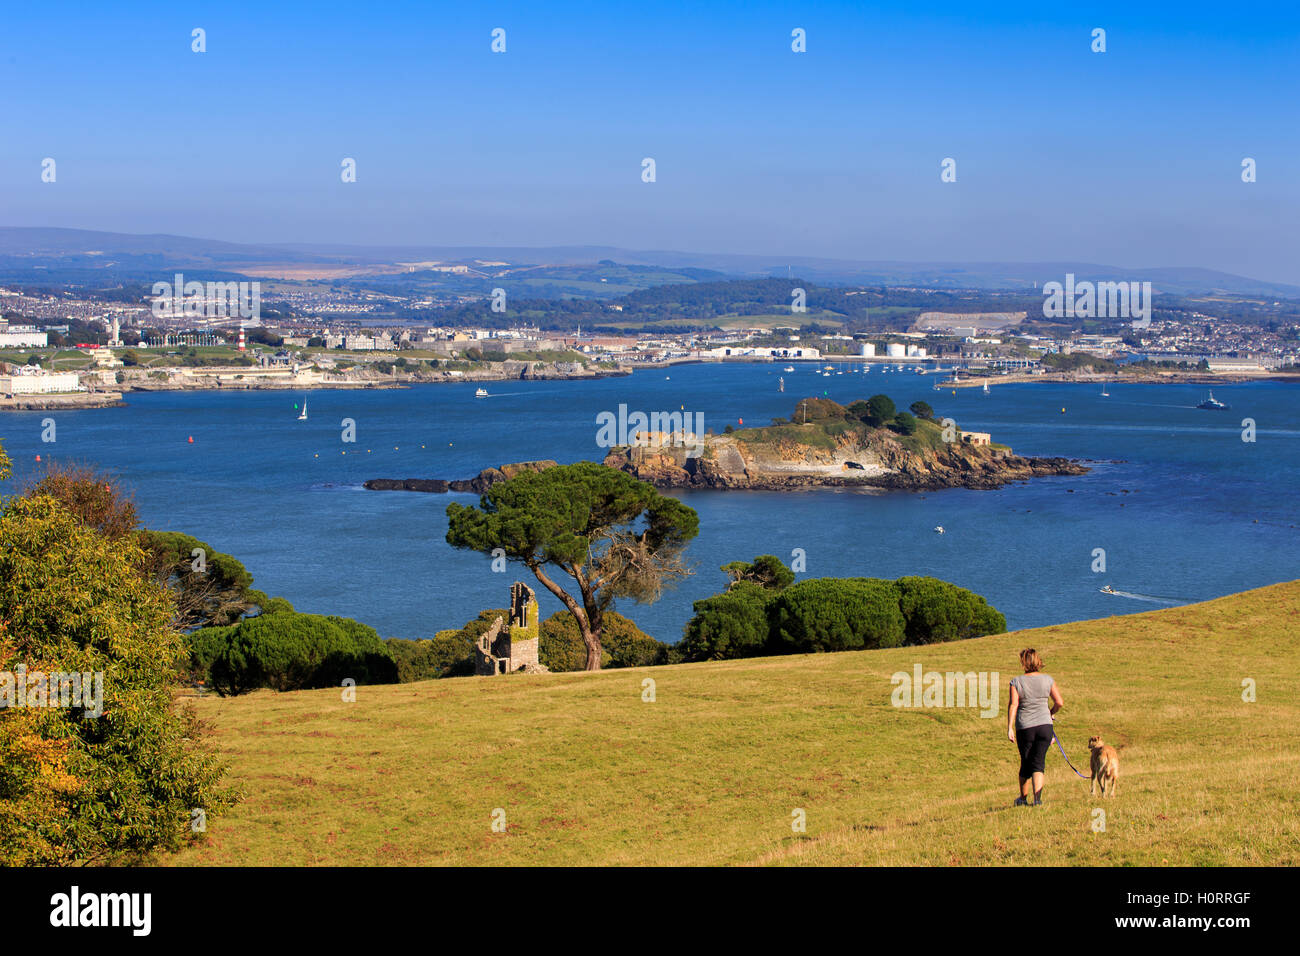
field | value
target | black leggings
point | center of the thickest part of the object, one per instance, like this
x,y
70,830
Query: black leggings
x,y
1033,743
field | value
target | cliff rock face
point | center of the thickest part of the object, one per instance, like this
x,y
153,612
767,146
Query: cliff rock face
x,y
876,461
852,459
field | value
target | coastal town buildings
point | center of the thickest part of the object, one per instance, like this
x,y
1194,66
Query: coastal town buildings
x,y
35,381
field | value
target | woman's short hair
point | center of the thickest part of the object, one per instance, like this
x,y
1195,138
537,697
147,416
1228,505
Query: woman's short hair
x,y
1030,660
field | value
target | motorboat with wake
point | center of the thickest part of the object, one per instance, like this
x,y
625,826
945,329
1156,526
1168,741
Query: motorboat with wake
x,y
1212,404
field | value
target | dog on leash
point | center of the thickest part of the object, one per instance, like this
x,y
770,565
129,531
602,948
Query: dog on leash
x,y
1105,766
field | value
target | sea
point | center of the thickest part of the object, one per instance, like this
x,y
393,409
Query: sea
x,y
1179,505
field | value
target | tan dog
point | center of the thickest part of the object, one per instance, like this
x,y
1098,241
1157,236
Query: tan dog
x,y
1105,766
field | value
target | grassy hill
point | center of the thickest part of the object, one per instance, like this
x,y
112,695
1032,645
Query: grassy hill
x,y
710,773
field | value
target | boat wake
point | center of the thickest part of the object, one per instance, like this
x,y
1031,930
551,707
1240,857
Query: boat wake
x,y
1152,598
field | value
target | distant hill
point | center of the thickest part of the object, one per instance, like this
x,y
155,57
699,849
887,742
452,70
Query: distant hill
x,y
40,250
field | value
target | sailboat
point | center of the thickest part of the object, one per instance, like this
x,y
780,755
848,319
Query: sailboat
x,y
302,415
986,388
1104,393
780,384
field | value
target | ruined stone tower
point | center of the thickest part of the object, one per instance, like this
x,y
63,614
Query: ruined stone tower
x,y
503,650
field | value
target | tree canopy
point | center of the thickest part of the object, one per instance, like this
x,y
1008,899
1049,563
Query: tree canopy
x,y
613,535
77,788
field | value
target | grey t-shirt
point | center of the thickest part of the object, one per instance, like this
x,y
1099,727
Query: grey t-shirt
x,y
1035,699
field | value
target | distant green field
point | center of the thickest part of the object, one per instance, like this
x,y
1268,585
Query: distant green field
x,y
764,321
586,772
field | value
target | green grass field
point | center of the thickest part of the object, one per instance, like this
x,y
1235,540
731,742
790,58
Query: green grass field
x,y
711,771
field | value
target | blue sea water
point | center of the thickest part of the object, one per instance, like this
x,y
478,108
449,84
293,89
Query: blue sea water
x,y
1183,508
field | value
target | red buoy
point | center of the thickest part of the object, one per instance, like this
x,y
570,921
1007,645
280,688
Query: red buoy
x,y
38,457
191,439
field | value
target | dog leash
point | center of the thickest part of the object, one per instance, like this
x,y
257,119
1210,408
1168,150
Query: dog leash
x,y
1067,759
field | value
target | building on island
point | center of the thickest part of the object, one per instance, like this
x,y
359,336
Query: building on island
x,y
977,438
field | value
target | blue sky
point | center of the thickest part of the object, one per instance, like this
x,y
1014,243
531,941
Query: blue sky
x,y
1131,157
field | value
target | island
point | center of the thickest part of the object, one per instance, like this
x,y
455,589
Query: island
x,y
865,444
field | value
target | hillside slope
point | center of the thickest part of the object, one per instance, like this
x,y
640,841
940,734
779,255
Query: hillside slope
x,y
709,773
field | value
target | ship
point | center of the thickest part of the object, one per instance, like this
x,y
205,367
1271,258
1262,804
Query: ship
x,y
1212,403
480,393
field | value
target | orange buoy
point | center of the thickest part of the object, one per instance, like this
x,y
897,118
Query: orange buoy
x,y
38,457
191,439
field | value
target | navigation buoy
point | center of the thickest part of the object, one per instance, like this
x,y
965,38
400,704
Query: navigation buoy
x,y
1063,411
190,440
38,457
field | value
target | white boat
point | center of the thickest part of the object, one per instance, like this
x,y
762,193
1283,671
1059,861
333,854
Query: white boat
x,y
986,388
481,393
302,416
788,368
1107,590
1104,393
938,528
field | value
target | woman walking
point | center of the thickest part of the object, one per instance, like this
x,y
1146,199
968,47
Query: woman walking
x,y
1035,698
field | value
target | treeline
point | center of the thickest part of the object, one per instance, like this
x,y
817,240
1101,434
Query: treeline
x,y
764,613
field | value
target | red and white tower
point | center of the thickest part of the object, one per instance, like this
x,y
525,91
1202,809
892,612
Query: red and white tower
x,y
241,339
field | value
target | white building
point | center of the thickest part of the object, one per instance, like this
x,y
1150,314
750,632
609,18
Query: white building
x,y
895,350
759,352
868,350
38,383
24,337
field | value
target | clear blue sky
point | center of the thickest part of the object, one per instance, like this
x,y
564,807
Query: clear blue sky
x,y
1129,157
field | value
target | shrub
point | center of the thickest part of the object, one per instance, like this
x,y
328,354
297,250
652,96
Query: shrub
x,y
448,654
818,410
937,611
766,570
880,410
836,614
904,423
291,651
728,625
215,593
114,788
560,646
94,499
627,644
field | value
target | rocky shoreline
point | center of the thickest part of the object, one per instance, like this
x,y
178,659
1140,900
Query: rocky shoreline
x,y
964,468
889,467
